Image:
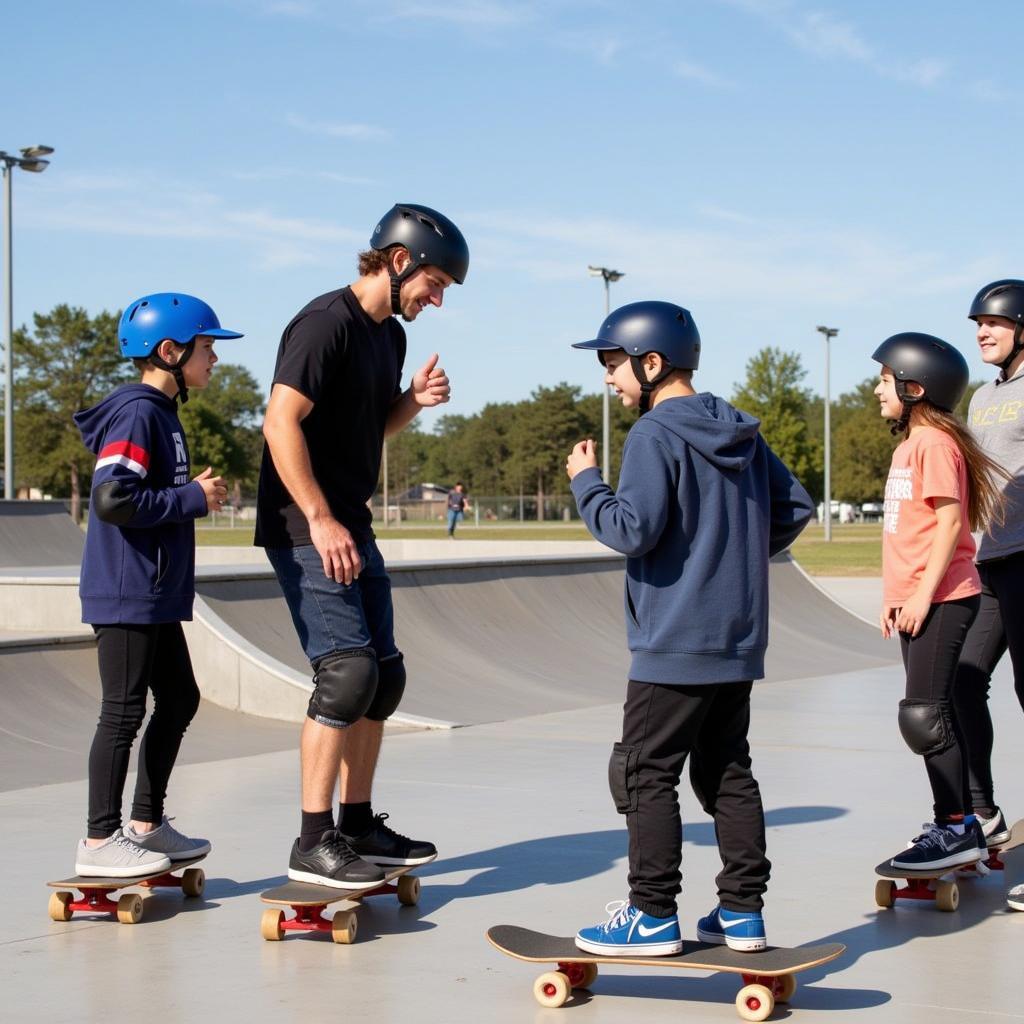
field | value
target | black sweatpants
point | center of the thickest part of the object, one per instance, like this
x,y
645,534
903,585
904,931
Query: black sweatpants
x,y
662,726
133,660
930,660
999,627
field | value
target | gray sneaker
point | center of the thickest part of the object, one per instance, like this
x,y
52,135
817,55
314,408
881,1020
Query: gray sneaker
x,y
118,857
168,840
1015,898
995,829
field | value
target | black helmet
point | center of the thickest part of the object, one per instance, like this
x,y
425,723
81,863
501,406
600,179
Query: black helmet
x,y
430,238
1003,298
643,327
935,364
1000,298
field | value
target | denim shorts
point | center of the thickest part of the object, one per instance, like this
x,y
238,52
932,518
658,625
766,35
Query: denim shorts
x,y
331,617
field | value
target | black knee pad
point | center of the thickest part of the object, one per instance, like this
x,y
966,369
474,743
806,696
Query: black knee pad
x,y
622,777
926,725
344,685
390,687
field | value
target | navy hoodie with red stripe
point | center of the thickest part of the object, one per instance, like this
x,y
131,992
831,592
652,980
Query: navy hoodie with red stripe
x,y
139,561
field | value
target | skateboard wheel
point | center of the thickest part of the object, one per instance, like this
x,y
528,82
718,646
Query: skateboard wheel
x,y
343,927
755,1002
408,890
885,893
270,925
785,986
193,882
129,908
552,989
58,908
947,895
589,975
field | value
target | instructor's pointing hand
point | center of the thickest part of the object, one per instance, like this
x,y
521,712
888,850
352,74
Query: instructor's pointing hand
x,y
430,384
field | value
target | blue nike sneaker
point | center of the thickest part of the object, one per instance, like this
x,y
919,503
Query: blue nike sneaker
x,y
739,930
631,932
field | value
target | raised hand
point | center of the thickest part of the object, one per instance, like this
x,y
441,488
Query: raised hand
x,y
430,384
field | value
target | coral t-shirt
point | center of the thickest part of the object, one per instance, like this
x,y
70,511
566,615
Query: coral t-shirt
x,y
928,465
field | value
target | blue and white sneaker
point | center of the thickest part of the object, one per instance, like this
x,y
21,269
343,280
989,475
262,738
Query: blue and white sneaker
x,y
742,930
631,932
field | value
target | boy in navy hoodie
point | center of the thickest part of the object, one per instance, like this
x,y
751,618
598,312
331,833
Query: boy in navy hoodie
x,y
138,579
702,504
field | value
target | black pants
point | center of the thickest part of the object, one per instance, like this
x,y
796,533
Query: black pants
x,y
134,659
999,627
930,660
662,726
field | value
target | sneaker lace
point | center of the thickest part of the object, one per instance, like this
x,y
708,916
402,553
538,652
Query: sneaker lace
x,y
378,821
337,846
122,841
618,914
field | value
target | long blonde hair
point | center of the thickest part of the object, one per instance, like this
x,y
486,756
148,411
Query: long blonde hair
x,y
986,503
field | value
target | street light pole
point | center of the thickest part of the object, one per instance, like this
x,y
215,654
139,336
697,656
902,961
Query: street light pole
x,y
830,333
28,161
609,276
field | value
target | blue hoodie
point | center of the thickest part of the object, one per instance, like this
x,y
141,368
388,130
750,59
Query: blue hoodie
x,y
139,561
702,504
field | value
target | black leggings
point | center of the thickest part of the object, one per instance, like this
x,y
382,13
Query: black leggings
x,y
930,660
999,627
134,659
662,726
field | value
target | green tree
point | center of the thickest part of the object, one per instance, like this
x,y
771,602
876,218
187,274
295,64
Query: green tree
x,y
773,392
67,363
222,424
861,446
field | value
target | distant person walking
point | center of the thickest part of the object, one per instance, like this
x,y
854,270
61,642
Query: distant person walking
x,y
458,505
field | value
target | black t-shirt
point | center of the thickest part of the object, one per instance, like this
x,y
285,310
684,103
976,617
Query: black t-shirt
x,y
350,367
456,501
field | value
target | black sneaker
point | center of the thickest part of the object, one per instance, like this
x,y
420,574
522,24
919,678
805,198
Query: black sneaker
x,y
939,847
383,845
333,862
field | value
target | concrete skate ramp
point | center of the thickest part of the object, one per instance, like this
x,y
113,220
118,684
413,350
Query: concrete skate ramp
x,y
49,704
38,533
496,640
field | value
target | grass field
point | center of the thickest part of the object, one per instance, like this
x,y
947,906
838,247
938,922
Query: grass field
x,y
855,549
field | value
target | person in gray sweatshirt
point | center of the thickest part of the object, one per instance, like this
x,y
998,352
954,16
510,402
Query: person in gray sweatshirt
x,y
996,418
701,506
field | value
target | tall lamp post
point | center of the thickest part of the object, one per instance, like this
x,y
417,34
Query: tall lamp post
x,y
830,333
30,160
609,276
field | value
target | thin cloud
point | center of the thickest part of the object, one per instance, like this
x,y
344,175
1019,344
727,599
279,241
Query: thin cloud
x,y
699,73
338,129
476,14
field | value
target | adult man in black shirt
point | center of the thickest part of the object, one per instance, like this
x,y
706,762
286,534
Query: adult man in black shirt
x,y
336,396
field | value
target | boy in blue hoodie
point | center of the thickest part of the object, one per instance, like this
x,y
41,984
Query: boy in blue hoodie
x,y
138,579
702,504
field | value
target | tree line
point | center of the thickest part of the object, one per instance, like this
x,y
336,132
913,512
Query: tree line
x,y
69,361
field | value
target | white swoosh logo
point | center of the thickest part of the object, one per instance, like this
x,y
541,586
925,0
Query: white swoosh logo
x,y
733,924
646,932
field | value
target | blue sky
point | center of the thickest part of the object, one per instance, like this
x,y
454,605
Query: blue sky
x,y
770,164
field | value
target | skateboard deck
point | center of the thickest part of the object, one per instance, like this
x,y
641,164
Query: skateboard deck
x,y
308,900
768,976
128,909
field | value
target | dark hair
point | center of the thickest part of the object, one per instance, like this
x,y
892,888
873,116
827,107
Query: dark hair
x,y
986,503
373,261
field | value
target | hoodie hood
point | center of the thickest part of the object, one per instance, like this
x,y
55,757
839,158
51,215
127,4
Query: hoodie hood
x,y
722,434
92,422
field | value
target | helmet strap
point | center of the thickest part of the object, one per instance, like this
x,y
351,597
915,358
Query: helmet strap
x,y
1018,347
647,386
175,369
397,279
901,425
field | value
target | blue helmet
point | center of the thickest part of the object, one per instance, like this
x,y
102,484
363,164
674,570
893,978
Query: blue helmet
x,y
643,327
181,318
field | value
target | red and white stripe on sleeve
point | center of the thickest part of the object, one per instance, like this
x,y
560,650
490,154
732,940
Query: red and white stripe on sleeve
x,y
124,453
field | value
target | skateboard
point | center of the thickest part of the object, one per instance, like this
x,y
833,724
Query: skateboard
x,y
95,892
308,900
768,976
